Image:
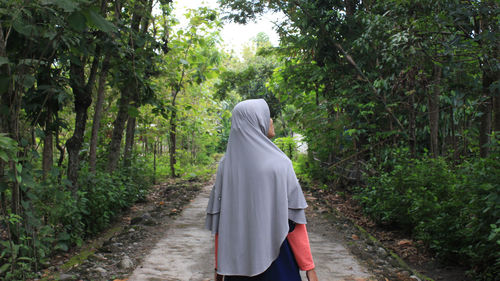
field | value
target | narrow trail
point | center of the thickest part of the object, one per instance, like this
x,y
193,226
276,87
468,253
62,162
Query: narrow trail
x,y
185,253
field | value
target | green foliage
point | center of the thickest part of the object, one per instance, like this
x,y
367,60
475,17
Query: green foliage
x,y
56,221
454,210
287,145
103,196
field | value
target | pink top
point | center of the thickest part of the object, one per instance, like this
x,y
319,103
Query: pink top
x,y
299,242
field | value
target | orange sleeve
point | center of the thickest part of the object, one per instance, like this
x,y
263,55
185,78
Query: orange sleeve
x,y
299,242
216,246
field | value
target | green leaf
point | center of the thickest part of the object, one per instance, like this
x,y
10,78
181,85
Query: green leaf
x,y
183,61
23,27
61,246
4,156
26,80
4,60
19,167
4,267
77,21
99,21
66,5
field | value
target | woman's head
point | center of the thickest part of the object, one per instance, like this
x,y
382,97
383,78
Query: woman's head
x,y
252,115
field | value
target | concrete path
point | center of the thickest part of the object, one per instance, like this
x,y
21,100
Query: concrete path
x,y
186,252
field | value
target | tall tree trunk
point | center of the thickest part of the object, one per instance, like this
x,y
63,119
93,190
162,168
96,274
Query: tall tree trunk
x,y
9,124
412,128
154,163
44,80
98,112
172,140
433,104
490,74
496,112
129,140
129,89
48,151
496,94
61,150
485,120
83,99
453,135
118,127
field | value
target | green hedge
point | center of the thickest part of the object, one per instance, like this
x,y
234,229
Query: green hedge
x,y
455,211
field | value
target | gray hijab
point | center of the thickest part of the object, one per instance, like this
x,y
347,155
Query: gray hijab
x,y
255,193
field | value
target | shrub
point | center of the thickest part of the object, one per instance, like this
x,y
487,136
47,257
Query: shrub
x,y
103,195
455,211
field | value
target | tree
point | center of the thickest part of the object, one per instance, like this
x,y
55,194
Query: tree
x,y
191,59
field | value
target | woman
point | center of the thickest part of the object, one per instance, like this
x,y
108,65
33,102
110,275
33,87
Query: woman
x,y
256,207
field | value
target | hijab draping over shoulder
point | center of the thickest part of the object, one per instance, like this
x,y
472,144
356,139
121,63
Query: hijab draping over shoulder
x,y
255,193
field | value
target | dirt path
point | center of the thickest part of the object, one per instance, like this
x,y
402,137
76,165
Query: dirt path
x,y
186,251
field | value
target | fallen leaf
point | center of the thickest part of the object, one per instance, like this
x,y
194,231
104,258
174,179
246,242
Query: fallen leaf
x,y
404,242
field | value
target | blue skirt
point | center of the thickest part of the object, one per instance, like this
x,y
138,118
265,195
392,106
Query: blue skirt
x,y
284,268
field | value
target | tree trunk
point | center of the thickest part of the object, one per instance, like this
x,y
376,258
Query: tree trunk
x,y
433,104
350,7
490,75
154,163
412,128
496,113
130,88
129,140
453,135
96,122
118,127
44,79
61,150
172,140
485,120
83,98
48,151
9,123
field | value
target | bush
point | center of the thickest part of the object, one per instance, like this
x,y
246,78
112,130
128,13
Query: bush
x,y
103,195
54,220
455,211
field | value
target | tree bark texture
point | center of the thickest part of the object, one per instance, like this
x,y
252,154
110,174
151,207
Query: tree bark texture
x,y
485,119
172,140
496,113
98,112
50,107
83,98
128,92
433,104
129,140
48,152
118,127
413,127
